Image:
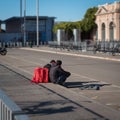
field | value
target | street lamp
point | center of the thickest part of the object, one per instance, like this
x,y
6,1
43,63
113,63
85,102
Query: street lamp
x,y
21,27
37,10
24,22
119,28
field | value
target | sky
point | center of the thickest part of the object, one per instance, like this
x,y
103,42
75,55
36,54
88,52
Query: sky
x,y
63,10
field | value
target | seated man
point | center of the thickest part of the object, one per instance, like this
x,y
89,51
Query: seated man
x,y
57,74
49,65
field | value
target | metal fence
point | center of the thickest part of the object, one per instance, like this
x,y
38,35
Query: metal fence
x,y
9,110
104,46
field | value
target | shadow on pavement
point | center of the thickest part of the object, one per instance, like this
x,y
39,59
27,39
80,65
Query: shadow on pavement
x,y
85,85
76,84
47,107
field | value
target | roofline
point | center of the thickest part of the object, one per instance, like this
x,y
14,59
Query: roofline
x,y
27,17
0,21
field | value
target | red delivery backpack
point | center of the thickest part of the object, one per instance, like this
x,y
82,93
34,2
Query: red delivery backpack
x,y
40,75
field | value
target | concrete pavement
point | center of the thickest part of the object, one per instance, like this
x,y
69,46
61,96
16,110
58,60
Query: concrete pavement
x,y
88,54
49,101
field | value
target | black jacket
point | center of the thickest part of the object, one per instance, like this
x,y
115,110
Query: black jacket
x,y
56,72
47,66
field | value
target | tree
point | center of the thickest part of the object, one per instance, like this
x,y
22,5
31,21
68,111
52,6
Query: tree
x,y
88,23
68,27
59,26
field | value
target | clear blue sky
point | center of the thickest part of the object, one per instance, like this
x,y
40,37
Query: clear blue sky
x,y
63,10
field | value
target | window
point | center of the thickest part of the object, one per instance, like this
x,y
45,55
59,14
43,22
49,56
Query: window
x,y
111,31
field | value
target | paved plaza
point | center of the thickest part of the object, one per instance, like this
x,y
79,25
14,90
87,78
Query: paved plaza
x,y
47,101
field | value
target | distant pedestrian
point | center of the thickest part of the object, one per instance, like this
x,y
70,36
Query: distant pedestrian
x,y
57,74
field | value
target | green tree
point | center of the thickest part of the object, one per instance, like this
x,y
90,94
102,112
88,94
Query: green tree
x,y
88,23
68,27
85,25
59,26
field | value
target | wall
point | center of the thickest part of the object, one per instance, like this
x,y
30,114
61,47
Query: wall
x,y
106,14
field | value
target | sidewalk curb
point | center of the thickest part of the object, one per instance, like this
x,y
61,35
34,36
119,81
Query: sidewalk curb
x,y
72,54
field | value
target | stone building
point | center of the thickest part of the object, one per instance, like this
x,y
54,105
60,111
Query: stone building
x,y
108,22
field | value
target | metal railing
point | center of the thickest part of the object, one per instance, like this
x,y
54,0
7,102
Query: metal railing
x,y
104,46
9,110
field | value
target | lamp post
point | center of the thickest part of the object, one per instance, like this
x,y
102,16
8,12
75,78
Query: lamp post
x,y
24,22
37,10
21,17
20,8
119,28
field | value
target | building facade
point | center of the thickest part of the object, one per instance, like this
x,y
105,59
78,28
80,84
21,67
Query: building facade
x,y
17,28
0,25
108,22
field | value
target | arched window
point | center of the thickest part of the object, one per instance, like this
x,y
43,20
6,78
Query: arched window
x,y
111,31
103,32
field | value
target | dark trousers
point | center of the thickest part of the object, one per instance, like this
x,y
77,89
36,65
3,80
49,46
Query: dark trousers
x,y
61,79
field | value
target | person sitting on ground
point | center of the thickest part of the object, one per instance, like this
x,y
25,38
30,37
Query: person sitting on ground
x,y
57,74
49,65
